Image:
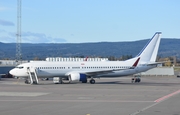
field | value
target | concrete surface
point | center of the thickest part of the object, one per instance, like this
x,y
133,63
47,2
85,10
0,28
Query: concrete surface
x,y
116,96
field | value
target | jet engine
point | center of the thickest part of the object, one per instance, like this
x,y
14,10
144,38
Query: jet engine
x,y
75,76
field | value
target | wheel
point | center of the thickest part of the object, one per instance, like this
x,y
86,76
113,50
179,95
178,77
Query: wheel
x,y
139,80
34,82
27,81
132,80
136,80
92,81
60,81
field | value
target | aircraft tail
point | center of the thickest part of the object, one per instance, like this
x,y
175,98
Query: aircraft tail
x,y
149,52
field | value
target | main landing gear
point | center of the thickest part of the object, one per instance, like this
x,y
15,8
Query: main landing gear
x,y
136,79
92,81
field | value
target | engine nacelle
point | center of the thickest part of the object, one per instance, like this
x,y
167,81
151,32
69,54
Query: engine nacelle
x,y
78,77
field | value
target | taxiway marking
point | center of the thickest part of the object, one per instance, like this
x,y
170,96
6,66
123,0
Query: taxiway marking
x,y
167,96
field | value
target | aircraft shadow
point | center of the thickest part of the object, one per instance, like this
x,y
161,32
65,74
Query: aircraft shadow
x,y
141,83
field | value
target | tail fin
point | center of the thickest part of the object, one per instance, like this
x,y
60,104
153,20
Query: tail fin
x,y
149,52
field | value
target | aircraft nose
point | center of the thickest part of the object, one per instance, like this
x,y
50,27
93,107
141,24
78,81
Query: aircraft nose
x,y
12,72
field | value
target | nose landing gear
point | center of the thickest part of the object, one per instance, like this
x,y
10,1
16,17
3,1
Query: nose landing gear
x,y
27,81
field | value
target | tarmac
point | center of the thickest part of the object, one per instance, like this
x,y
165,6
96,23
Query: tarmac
x,y
109,96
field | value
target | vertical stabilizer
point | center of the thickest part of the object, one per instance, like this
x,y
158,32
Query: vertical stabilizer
x,y
149,52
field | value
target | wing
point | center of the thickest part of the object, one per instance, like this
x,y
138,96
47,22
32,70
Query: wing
x,y
94,73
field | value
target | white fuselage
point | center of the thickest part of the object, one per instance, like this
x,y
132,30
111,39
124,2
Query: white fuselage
x,y
61,69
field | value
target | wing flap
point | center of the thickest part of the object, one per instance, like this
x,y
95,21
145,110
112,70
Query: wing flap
x,y
93,73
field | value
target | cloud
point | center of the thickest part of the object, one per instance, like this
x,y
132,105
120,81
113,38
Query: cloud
x,y
3,8
7,39
6,23
30,37
2,31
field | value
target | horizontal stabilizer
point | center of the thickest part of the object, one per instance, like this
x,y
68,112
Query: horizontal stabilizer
x,y
155,63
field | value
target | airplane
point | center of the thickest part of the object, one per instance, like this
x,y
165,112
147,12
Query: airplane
x,y
84,70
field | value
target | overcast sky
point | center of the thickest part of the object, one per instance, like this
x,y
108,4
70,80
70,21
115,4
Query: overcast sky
x,y
79,21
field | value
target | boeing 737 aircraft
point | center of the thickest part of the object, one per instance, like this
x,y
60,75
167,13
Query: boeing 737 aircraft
x,y
81,71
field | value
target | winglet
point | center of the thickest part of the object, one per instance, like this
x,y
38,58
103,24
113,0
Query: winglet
x,y
136,63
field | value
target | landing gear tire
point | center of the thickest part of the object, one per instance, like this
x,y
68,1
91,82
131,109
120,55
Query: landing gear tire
x,y
132,80
61,81
35,82
92,81
27,81
137,80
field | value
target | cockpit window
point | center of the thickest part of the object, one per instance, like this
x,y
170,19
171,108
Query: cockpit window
x,y
20,67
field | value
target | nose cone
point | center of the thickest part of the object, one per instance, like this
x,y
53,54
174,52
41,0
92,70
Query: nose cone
x,y
12,72
16,72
